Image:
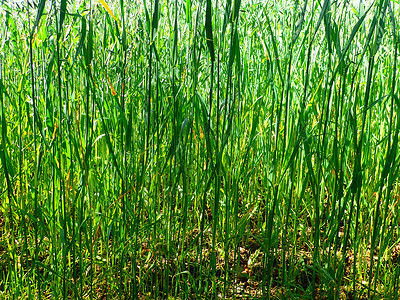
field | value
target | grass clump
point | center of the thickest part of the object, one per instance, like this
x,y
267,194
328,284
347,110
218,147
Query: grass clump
x,y
195,149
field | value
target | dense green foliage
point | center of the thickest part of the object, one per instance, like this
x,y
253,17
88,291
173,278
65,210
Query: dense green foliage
x,y
195,149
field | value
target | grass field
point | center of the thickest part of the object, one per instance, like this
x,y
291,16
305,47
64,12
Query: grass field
x,y
199,149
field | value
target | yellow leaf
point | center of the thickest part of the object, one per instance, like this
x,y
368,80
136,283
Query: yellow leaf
x,y
113,92
108,9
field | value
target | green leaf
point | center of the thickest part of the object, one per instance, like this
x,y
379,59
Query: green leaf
x,y
63,10
82,37
209,31
154,24
38,15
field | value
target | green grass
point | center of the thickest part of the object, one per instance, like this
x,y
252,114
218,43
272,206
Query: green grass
x,y
196,149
